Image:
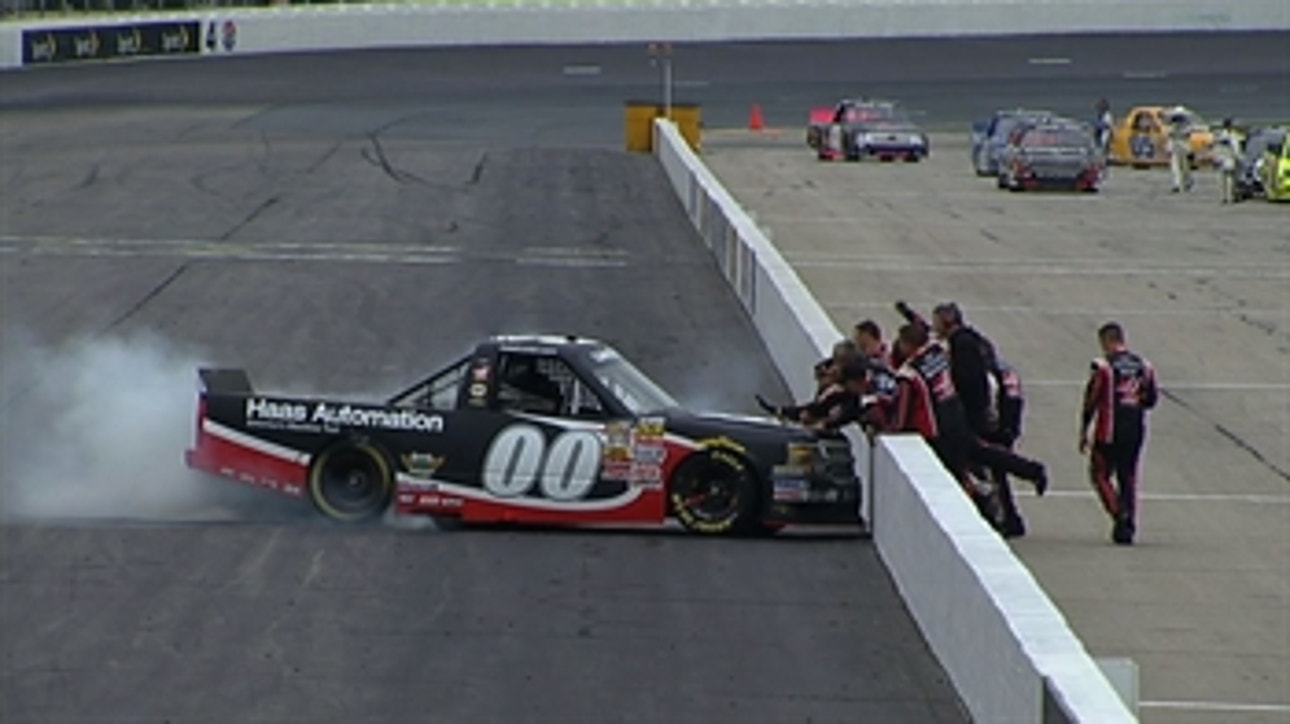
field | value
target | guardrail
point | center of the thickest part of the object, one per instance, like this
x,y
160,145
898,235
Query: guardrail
x,y
1006,647
242,30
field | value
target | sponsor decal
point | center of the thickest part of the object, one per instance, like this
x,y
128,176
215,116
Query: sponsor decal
x,y
650,430
422,465
86,43
617,470
618,443
261,412
434,500
650,454
478,390
791,490
480,373
228,34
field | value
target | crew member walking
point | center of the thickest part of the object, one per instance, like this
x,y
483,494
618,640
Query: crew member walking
x,y
1179,145
1227,152
1121,390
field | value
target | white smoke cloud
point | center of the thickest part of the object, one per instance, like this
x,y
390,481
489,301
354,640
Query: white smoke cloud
x,y
97,429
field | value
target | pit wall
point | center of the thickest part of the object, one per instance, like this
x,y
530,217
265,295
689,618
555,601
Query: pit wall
x,y
241,31
1008,650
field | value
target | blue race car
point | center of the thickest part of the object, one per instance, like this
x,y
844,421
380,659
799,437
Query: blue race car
x,y
989,137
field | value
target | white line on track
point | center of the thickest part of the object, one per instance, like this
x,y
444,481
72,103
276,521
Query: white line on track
x,y
1048,61
1215,706
240,255
1144,74
577,262
370,252
1248,498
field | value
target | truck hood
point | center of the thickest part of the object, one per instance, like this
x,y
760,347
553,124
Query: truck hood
x,y
740,427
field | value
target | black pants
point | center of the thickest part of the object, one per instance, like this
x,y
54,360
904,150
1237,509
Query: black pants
x,y
999,477
954,453
1117,459
1002,460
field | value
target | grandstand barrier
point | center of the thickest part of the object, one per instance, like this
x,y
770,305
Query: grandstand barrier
x,y
300,28
973,600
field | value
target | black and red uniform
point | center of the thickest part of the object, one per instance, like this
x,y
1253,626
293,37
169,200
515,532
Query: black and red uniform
x,y
878,403
1121,389
927,403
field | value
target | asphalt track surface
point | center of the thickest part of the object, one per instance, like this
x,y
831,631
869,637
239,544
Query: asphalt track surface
x,y
339,222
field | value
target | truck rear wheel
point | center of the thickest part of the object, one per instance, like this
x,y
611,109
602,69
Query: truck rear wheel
x,y
351,483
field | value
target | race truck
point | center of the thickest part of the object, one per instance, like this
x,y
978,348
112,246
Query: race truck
x,y
544,430
858,129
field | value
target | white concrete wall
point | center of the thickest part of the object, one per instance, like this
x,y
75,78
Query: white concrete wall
x,y
994,630
10,45
304,28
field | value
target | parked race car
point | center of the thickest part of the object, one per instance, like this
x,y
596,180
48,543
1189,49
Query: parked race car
x,y
1051,155
1274,172
532,429
1140,139
857,129
991,135
1254,152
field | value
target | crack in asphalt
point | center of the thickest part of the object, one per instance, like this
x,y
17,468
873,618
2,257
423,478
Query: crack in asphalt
x,y
1232,436
249,218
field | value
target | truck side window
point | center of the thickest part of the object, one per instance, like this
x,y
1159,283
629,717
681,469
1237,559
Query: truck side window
x,y
524,383
544,385
442,394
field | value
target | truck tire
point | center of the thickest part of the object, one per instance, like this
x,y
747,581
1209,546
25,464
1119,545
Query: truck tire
x,y
716,492
351,482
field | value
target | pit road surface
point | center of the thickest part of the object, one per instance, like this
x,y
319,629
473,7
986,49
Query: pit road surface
x,y
322,253
1201,602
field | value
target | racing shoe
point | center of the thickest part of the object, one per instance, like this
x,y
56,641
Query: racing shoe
x,y
1012,527
1041,481
1122,534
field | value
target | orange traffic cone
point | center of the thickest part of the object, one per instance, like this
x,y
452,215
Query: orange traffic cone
x,y
755,122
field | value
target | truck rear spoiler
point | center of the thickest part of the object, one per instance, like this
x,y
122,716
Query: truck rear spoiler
x,y
225,381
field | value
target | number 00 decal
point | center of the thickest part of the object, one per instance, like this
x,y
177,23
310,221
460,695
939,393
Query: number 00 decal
x,y
519,457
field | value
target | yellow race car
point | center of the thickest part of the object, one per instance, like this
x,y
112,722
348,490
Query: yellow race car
x,y
1275,171
1141,137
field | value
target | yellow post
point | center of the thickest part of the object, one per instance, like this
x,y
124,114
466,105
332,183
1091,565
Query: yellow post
x,y
640,125
640,117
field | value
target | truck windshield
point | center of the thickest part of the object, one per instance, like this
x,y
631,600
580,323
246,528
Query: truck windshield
x,y
636,391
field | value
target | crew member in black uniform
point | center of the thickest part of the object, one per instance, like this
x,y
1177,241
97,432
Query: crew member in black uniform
x,y
1121,390
973,360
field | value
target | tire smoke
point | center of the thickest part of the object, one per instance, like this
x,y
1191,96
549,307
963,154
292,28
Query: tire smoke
x,y
98,430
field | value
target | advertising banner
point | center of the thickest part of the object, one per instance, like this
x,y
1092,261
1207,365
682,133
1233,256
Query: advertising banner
x,y
42,46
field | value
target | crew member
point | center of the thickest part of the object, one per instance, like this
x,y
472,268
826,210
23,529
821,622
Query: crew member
x,y
1121,390
1227,151
1104,124
974,365
832,407
971,359
867,337
913,317
1179,146
1004,431
927,403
